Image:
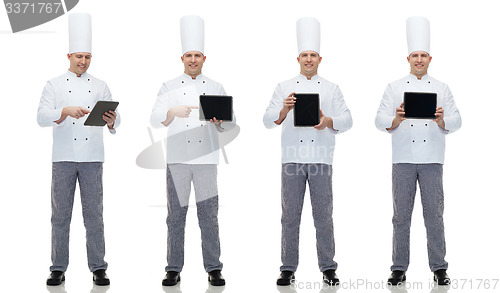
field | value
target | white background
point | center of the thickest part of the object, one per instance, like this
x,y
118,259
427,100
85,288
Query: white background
x,y
250,47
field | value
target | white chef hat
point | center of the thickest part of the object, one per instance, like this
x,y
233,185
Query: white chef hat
x,y
418,34
80,33
192,34
308,34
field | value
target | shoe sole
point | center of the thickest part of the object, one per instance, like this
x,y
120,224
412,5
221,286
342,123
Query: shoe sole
x,y
217,283
331,283
168,284
442,283
397,283
103,283
285,282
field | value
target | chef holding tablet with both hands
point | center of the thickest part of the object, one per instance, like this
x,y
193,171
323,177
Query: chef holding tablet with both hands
x,y
307,154
418,147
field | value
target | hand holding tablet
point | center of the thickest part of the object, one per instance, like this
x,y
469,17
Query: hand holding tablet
x,y
99,111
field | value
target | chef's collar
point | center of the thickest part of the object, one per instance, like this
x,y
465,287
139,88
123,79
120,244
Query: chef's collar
x,y
198,77
425,77
301,76
72,74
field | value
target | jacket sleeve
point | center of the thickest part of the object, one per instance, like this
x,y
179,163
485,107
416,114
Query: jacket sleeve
x,y
273,110
47,111
342,120
108,97
452,119
386,111
160,108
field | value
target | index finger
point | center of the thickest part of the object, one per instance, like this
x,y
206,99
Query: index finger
x,y
193,107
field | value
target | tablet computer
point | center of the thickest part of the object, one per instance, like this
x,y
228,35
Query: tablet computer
x,y
420,105
220,107
306,109
95,117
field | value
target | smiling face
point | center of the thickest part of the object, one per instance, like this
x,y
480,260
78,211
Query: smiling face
x,y
79,62
419,62
309,62
193,63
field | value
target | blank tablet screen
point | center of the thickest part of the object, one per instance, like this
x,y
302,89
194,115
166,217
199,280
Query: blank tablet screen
x,y
220,107
420,105
95,117
306,110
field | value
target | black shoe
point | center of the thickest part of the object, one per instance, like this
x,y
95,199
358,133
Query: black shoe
x,y
100,278
56,278
330,278
215,278
171,278
285,278
396,278
441,277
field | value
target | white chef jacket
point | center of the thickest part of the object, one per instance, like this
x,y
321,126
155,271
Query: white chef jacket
x,y
307,144
72,141
417,141
188,137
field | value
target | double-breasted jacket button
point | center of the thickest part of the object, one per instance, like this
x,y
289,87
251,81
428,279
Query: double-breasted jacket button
x,y
182,81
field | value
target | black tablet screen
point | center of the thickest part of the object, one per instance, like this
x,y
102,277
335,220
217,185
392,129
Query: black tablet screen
x,y
306,109
420,105
220,107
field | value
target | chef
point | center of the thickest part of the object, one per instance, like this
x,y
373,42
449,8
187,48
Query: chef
x,y
307,154
192,154
418,154
78,151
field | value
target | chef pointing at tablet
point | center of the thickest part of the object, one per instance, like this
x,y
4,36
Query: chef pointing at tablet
x,y
418,154
307,154
192,155
78,151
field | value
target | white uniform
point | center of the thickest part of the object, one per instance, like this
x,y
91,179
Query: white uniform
x,y
72,141
307,144
190,141
417,141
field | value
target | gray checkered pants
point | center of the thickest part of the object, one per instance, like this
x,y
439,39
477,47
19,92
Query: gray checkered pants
x,y
293,186
204,178
64,177
404,187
